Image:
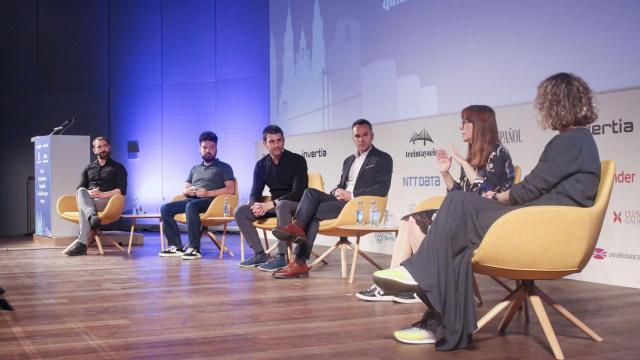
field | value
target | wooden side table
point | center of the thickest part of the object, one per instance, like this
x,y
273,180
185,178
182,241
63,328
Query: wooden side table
x,y
135,217
359,231
224,221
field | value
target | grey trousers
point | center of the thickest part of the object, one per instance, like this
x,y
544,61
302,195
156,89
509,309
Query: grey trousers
x,y
87,207
245,218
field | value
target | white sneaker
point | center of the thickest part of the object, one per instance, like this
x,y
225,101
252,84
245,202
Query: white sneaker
x,y
171,251
191,254
414,335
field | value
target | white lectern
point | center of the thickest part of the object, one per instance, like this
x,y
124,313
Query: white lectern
x,y
59,161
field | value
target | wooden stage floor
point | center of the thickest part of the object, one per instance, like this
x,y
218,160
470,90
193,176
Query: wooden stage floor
x,y
146,307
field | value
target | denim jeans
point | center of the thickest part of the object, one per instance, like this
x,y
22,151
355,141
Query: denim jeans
x,y
192,207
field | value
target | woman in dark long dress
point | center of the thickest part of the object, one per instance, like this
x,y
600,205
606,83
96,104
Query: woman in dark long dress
x,y
567,173
487,167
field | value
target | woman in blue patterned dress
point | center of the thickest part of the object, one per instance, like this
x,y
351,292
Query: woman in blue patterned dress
x,y
487,167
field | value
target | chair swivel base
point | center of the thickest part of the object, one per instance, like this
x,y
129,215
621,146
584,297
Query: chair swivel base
x,y
527,290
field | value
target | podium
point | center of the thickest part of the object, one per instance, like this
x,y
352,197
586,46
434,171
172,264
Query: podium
x,y
59,161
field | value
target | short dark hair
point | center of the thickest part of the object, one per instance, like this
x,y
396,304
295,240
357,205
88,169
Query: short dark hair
x,y
98,138
271,129
208,136
362,122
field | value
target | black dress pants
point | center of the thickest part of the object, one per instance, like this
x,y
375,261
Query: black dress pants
x,y
314,207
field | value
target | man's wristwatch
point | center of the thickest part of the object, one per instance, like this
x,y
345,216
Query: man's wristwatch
x,y
494,196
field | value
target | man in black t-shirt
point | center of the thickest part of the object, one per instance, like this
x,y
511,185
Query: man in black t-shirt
x,y
100,180
285,173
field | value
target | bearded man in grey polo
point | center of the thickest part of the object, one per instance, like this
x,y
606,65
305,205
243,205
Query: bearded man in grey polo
x,y
206,180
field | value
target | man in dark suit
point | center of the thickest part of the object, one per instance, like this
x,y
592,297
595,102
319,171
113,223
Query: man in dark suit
x,y
367,172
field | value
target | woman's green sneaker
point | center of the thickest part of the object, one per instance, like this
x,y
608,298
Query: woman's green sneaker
x,y
414,335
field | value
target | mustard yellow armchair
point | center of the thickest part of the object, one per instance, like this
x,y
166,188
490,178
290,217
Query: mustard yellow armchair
x,y
430,203
347,217
517,247
214,216
67,208
517,174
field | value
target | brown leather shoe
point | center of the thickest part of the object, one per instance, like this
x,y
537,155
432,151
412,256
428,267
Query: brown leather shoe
x,y
291,232
292,271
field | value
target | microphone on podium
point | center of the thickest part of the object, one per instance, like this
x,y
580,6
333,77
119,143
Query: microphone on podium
x,y
59,130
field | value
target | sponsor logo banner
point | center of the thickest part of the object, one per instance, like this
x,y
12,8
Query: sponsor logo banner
x,y
510,136
617,216
320,152
421,138
599,254
421,181
421,153
624,177
614,127
628,217
602,254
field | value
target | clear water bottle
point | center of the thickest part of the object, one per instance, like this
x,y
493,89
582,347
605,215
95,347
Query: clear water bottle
x,y
388,221
225,208
360,213
374,214
385,218
135,206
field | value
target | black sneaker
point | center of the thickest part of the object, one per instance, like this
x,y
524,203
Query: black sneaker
x,y
374,293
4,305
406,298
255,260
191,254
94,221
172,251
76,248
275,263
